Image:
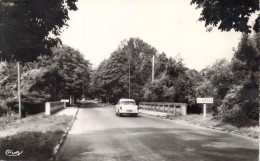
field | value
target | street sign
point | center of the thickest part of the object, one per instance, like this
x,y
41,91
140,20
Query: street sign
x,y
204,100
65,100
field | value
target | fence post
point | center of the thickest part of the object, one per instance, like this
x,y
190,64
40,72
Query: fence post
x,y
184,109
174,109
47,108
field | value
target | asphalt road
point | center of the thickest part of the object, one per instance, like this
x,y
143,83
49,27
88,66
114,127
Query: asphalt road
x,y
99,135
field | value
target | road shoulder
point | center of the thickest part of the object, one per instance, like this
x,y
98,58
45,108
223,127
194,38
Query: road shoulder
x,y
162,115
69,111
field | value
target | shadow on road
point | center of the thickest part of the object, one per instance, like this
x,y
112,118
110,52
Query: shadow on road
x,y
90,105
129,115
168,143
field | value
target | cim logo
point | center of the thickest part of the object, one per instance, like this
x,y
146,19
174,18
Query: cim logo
x,y
13,153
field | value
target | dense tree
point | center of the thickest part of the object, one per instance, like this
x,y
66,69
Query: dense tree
x,y
233,85
228,14
242,100
8,78
71,67
96,81
218,80
175,83
161,62
112,76
30,28
49,79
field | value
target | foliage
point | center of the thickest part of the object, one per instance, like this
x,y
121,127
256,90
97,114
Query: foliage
x,y
173,81
218,80
111,78
70,70
175,84
243,99
228,14
49,79
235,86
8,84
30,28
161,62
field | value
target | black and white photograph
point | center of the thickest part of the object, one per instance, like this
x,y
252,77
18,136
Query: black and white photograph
x,y
129,80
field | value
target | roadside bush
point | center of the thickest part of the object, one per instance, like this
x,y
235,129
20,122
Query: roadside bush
x,y
238,118
230,100
3,108
233,110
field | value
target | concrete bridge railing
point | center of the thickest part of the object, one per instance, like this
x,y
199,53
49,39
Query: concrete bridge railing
x,y
170,108
51,107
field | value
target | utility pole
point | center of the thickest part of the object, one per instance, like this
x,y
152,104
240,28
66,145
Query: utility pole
x,y
153,69
129,76
19,90
83,87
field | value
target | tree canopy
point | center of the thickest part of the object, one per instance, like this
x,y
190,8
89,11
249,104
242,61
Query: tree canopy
x,y
111,79
30,28
173,81
228,14
51,78
233,85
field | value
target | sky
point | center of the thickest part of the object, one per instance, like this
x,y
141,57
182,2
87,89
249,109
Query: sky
x,y
171,26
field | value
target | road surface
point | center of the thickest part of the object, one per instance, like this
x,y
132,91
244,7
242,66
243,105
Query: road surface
x,y
99,135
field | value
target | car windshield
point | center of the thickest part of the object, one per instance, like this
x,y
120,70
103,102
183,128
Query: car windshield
x,y
127,102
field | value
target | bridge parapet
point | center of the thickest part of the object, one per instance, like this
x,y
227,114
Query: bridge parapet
x,y
167,107
51,107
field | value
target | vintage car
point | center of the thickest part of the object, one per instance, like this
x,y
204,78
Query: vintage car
x,y
126,106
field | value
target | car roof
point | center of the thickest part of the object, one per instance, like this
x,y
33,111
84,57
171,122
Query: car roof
x,y
124,99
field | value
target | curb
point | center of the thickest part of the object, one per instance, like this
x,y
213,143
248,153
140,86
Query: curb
x,y
219,129
64,135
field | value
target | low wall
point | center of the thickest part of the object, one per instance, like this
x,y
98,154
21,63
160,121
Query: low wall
x,y
52,107
170,108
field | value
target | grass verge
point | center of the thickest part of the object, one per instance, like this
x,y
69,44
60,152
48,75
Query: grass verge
x,y
34,136
214,123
